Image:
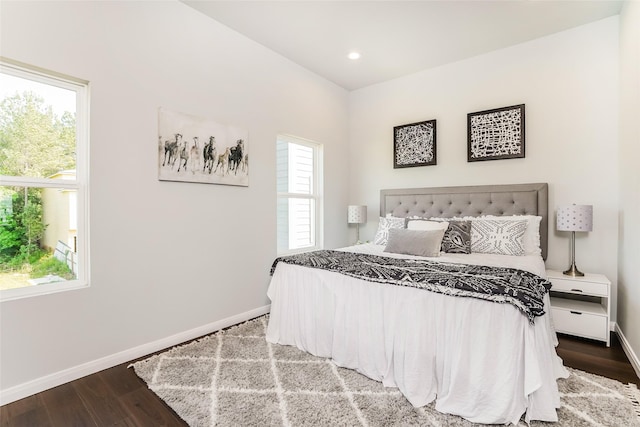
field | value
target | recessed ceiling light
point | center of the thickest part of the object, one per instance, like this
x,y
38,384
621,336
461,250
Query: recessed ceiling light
x,y
353,55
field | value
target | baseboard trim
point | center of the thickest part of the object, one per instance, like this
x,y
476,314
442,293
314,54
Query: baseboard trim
x,y
626,346
38,385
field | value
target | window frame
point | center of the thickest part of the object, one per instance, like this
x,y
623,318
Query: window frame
x,y
80,184
316,195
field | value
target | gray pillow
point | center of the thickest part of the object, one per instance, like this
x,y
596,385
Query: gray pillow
x,y
457,238
414,242
384,225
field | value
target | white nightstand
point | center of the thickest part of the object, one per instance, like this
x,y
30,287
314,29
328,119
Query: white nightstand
x,y
581,306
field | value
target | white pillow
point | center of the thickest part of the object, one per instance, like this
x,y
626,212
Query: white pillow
x,y
426,225
384,225
531,238
415,242
498,236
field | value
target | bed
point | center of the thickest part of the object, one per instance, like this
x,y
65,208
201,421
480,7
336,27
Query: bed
x,y
481,360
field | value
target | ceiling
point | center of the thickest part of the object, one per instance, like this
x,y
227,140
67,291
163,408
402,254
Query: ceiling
x,y
395,38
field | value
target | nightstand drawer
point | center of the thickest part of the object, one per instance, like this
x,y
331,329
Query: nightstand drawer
x,y
579,287
586,315
579,323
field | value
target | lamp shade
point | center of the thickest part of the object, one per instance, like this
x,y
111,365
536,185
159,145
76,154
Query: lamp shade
x,y
575,218
357,214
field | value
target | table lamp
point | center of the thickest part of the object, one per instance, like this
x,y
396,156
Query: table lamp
x,y
574,218
357,214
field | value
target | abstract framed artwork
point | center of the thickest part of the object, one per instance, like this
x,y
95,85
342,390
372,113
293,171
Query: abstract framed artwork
x,y
414,144
496,134
195,149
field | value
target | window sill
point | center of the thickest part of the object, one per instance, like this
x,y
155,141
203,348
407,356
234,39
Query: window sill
x,y
44,289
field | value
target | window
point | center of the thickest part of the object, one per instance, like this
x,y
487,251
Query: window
x,y
43,181
299,167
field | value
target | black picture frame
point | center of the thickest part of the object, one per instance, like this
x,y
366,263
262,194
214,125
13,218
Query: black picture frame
x,y
496,134
414,144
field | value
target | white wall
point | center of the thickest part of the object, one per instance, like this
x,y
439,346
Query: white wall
x,y
569,84
166,257
629,275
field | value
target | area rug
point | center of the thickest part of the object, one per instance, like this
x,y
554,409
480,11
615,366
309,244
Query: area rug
x,y
236,378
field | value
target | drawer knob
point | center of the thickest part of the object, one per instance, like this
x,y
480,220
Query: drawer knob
x,y
575,312
576,290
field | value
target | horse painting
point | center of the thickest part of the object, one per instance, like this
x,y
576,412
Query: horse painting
x,y
197,149
170,149
184,157
223,162
209,154
194,155
245,163
235,156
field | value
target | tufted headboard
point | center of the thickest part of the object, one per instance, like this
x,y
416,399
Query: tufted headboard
x,y
477,200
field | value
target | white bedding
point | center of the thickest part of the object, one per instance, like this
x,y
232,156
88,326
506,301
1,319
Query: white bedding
x,y
531,263
478,359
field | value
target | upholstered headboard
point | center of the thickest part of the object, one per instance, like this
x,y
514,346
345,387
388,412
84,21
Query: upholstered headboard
x,y
477,200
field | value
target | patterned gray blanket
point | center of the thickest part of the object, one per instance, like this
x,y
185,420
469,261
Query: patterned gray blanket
x,y
520,288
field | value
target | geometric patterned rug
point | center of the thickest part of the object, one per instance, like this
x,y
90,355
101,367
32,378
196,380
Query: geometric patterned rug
x,y
235,377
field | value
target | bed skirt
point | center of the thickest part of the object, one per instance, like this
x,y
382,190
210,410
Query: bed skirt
x,y
477,359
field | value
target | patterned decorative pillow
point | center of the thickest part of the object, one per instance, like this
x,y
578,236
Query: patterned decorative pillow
x,y
384,225
531,239
489,236
457,238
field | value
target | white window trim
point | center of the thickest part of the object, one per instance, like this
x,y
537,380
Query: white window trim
x,y
80,184
317,195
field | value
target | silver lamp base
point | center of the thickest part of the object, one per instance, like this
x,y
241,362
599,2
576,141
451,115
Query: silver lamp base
x,y
573,271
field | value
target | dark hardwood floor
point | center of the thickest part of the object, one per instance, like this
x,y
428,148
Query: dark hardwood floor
x,y
595,357
117,397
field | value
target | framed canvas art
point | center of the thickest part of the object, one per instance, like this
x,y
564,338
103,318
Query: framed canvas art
x,y
414,144
496,134
196,149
